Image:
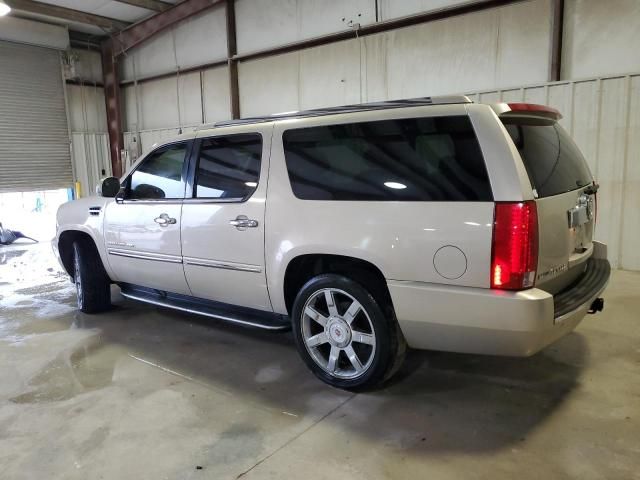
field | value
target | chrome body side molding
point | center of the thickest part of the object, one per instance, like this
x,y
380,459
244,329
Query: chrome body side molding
x,y
156,257
203,262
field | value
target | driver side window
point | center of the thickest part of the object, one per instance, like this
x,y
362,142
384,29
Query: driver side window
x,y
159,176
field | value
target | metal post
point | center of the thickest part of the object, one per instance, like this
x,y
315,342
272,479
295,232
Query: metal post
x,y
557,30
112,100
232,50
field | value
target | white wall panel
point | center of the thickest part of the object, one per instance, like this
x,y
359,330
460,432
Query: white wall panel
x,y
601,38
603,116
500,47
269,85
331,75
536,95
390,9
87,65
91,159
87,111
154,104
629,251
430,59
215,95
610,158
263,24
196,41
586,118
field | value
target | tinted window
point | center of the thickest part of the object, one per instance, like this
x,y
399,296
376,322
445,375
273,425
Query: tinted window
x,y
159,175
228,167
418,159
553,161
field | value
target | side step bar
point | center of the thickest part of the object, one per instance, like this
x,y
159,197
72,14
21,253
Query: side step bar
x,y
246,317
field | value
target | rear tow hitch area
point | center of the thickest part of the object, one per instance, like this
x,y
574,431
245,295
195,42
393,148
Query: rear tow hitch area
x,y
596,306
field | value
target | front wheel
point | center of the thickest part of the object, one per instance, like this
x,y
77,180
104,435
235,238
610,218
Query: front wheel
x,y
92,283
343,335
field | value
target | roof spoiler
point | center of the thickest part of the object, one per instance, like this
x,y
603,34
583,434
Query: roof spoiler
x,y
527,109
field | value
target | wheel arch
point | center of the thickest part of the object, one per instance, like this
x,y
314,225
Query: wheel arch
x,y
302,268
65,247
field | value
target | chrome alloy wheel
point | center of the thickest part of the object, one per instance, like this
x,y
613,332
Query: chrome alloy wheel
x,y
338,333
77,278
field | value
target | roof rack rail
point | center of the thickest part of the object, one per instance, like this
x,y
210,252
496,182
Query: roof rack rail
x,y
411,102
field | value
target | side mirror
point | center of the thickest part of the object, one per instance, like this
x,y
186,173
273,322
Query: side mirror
x,y
109,187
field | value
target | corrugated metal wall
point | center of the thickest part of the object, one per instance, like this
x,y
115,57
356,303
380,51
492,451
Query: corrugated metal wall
x,y
88,122
603,116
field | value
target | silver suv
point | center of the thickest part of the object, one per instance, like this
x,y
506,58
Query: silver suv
x,y
433,223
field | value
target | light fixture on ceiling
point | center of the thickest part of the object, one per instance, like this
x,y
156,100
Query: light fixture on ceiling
x,y
4,8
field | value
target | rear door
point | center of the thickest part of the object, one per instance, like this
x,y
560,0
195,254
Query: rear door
x,y
223,218
565,198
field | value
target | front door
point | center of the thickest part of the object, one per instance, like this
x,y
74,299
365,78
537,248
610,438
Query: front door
x,y
142,227
223,221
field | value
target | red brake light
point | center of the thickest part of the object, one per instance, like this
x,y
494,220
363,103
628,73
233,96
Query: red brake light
x,y
534,108
514,255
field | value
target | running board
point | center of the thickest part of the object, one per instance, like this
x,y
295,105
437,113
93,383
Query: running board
x,y
246,317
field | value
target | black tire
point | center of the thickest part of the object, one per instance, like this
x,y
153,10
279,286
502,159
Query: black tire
x,y
93,286
378,362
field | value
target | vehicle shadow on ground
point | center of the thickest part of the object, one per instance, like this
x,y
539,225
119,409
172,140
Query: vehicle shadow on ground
x,y
437,402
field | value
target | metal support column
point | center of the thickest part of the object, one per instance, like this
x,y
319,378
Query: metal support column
x,y
112,100
232,50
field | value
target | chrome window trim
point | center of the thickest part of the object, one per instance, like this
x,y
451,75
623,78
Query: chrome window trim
x,y
213,200
166,201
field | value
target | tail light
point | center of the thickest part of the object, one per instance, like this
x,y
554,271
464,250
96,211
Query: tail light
x,y
514,255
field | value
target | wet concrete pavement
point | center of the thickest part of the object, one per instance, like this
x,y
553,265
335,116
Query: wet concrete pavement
x,y
146,393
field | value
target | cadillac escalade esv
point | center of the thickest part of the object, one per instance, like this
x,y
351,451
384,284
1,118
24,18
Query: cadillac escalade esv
x,y
433,223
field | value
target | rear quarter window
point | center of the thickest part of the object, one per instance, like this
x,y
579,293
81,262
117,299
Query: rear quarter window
x,y
418,159
553,161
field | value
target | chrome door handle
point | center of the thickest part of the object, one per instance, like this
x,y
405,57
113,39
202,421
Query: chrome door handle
x,y
164,219
242,222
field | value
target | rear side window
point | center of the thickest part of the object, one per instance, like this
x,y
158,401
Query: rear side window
x,y
553,161
418,159
228,167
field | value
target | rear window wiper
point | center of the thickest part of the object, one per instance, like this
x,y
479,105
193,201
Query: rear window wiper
x,y
592,189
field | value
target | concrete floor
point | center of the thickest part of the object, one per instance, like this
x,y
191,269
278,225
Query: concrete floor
x,y
147,393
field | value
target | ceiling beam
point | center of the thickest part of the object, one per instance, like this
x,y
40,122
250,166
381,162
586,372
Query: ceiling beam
x,y
155,5
39,8
145,29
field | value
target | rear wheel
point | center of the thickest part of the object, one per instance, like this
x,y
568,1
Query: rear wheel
x,y
92,283
343,335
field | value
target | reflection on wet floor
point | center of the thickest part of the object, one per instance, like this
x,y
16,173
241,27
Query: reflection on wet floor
x,y
6,255
90,367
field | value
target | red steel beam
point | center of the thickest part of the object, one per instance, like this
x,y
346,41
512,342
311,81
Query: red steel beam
x,y
112,100
118,44
145,29
557,32
232,50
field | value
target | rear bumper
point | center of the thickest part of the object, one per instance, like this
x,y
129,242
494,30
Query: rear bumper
x,y
484,321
